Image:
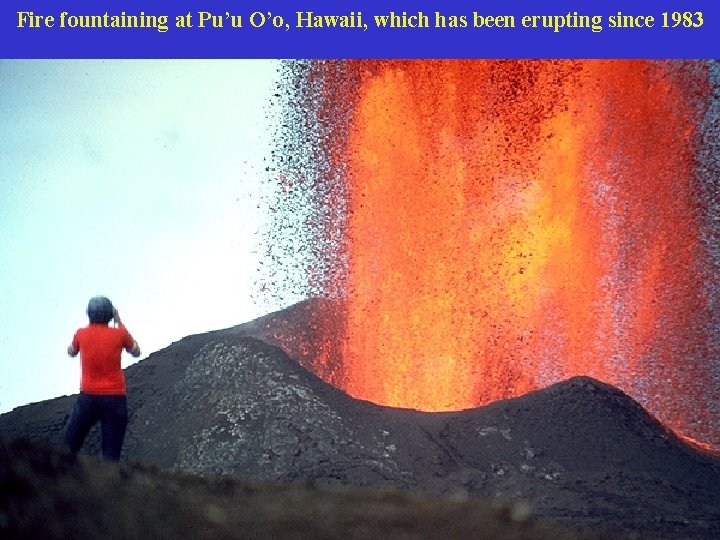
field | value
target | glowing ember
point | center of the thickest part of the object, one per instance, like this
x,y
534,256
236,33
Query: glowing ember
x,y
510,224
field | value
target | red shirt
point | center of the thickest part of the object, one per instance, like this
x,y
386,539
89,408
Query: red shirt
x,y
100,349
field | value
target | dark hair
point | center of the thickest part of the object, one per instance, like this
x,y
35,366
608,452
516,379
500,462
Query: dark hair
x,y
100,310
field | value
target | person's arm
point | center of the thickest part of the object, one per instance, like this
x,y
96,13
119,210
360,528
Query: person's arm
x,y
74,347
133,349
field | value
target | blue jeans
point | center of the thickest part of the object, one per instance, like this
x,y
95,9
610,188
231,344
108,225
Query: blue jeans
x,y
110,411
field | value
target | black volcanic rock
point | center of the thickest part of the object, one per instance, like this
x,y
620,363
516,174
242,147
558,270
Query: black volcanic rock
x,y
580,451
45,494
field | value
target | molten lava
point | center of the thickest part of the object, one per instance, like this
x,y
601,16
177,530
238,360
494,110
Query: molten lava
x,y
512,224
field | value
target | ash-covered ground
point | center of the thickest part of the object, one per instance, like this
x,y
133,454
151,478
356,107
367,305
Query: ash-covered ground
x,y
214,417
46,495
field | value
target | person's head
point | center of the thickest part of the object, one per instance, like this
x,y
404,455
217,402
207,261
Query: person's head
x,y
100,310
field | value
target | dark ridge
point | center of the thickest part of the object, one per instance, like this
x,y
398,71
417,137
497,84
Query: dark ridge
x,y
46,494
227,403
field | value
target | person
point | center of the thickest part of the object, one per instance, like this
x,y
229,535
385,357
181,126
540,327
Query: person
x,y
102,384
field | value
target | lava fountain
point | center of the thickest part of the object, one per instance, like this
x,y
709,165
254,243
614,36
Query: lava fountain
x,y
497,226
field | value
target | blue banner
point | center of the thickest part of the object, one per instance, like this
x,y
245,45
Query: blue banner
x,y
360,29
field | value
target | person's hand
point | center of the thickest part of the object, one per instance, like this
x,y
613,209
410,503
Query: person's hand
x,y
116,317
72,351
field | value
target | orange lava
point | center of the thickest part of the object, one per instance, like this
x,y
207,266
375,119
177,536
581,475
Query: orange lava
x,y
700,445
511,224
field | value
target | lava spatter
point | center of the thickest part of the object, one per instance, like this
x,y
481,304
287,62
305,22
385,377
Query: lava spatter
x,y
502,225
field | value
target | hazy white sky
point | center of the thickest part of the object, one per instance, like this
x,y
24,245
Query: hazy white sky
x,y
141,180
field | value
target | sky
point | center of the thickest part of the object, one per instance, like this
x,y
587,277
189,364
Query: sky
x,y
143,181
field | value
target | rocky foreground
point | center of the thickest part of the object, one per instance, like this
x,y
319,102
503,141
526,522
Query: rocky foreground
x,y
229,405
45,494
